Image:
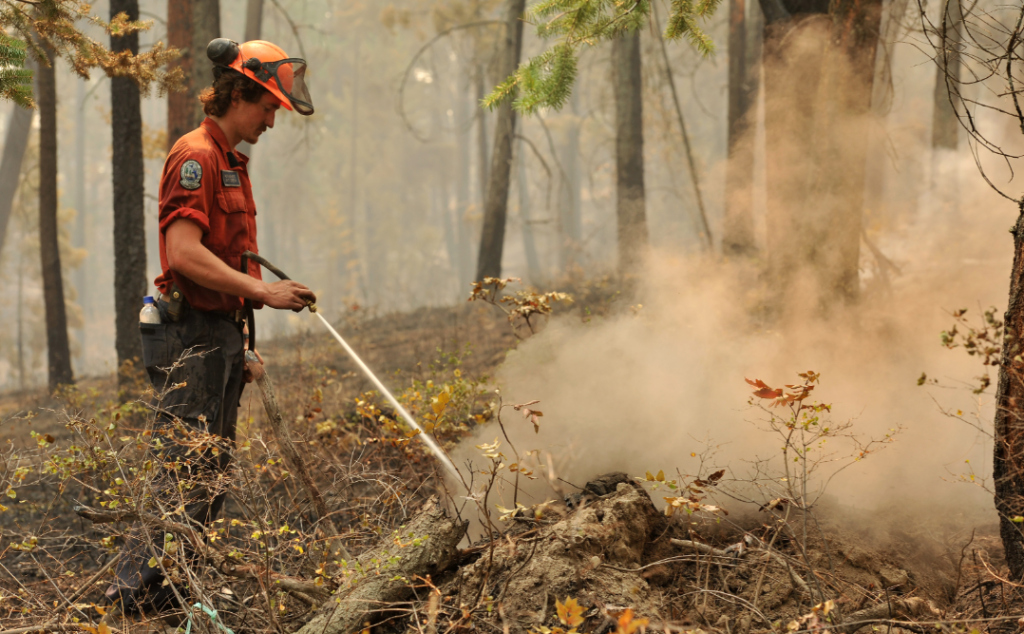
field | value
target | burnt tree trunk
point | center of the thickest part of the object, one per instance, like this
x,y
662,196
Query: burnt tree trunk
x,y
58,350
129,210
180,105
629,152
492,238
1008,462
738,224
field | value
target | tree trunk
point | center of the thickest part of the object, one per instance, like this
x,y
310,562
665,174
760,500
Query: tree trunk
x,y
464,263
253,28
881,103
533,269
841,161
569,214
944,190
205,28
81,277
191,24
818,71
492,239
629,152
1008,464
793,50
129,211
180,105
253,20
738,224
58,351
945,125
15,143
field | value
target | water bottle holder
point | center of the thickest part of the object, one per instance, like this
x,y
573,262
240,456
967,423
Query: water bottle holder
x,y
154,345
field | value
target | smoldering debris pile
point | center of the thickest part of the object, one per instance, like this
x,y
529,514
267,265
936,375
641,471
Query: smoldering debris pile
x,y
625,564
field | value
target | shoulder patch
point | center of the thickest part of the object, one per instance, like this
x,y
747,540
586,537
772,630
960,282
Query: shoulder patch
x,y
229,178
191,174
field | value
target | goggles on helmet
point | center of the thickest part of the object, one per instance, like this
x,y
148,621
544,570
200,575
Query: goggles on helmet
x,y
283,77
290,76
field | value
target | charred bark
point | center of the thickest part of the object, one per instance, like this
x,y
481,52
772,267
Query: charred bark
x,y
629,152
58,349
129,209
1008,463
492,238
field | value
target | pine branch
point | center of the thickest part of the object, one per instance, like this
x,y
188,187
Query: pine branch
x,y
15,79
546,80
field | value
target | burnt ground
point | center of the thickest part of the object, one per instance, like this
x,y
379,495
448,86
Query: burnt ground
x,y
609,550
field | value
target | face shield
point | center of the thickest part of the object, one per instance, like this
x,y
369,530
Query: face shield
x,y
290,77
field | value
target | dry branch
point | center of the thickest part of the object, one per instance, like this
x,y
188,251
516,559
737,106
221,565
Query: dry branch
x,y
292,458
797,581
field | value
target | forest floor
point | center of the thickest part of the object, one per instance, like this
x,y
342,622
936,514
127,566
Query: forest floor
x,y
393,556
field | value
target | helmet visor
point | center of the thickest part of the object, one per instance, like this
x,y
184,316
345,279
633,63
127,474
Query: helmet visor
x,y
290,76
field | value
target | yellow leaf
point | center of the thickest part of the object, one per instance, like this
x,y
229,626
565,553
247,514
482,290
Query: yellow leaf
x,y
570,612
153,563
660,477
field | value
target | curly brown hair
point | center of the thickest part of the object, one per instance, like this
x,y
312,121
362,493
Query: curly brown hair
x,y
229,84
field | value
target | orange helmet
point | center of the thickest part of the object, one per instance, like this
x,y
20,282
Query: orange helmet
x,y
268,65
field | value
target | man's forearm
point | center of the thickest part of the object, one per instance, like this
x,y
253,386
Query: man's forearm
x,y
200,265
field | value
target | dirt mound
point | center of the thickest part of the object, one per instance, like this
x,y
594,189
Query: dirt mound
x,y
594,555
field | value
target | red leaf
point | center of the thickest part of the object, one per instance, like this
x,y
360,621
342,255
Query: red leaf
x,y
767,392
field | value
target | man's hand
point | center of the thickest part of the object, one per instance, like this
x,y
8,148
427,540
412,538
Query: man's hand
x,y
288,294
187,255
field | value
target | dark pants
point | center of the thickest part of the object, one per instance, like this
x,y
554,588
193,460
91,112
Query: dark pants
x,y
208,351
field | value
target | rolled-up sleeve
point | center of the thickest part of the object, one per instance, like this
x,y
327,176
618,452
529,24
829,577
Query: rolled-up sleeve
x,y
187,189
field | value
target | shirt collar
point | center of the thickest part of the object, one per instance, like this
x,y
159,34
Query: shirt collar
x,y
219,137
214,131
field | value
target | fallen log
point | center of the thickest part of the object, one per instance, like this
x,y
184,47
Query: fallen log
x,y
425,546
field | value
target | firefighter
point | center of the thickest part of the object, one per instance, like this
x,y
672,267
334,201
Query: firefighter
x,y
207,220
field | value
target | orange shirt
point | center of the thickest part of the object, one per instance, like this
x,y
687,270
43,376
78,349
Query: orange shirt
x,y
201,183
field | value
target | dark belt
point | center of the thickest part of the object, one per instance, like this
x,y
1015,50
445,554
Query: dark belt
x,y
231,315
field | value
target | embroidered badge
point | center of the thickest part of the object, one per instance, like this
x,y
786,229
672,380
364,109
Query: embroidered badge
x,y
229,178
191,174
